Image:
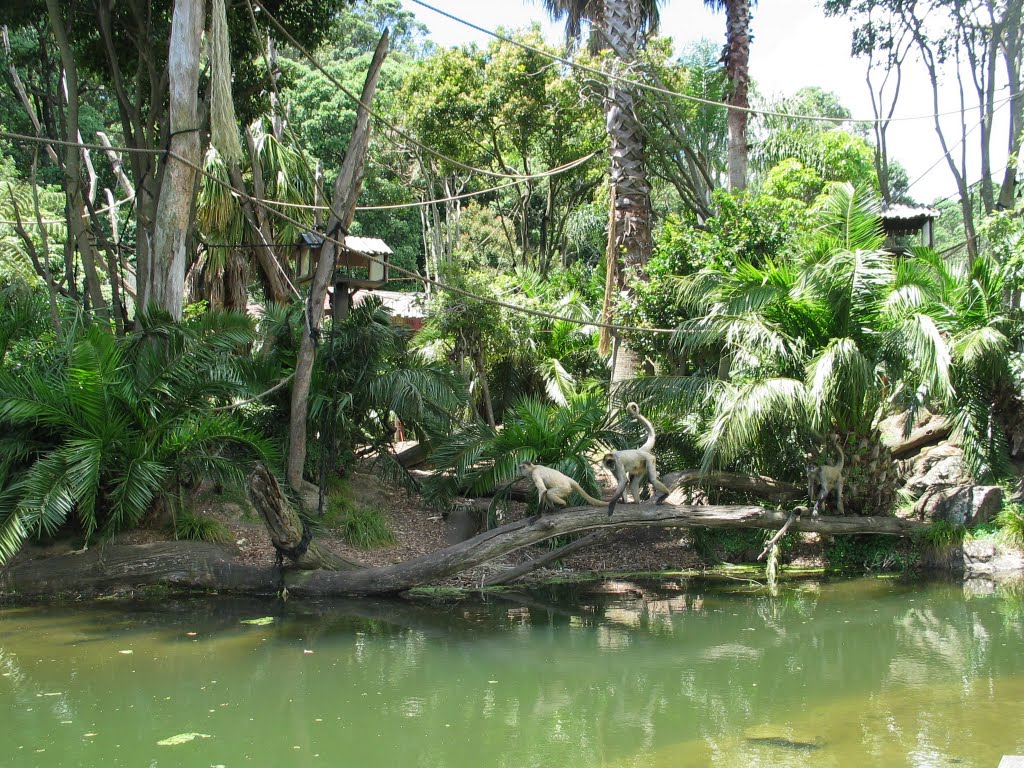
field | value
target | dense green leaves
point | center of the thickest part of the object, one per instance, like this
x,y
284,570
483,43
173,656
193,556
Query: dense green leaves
x,y
106,428
827,337
479,459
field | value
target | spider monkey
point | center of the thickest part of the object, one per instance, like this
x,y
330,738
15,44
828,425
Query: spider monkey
x,y
553,487
632,464
826,478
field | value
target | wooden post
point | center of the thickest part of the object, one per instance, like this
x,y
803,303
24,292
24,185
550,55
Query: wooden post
x,y
343,205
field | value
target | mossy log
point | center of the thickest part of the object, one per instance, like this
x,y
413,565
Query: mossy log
x,y
187,565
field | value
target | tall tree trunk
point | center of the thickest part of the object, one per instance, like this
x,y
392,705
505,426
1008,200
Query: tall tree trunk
x,y
173,225
737,57
80,238
631,191
1012,47
343,206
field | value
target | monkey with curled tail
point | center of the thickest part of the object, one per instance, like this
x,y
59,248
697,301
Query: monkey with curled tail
x,y
632,464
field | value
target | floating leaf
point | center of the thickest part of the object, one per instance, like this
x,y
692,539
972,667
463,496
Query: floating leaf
x,y
181,738
126,652
259,622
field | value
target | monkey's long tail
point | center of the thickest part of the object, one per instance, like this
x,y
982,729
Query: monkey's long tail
x,y
649,442
590,499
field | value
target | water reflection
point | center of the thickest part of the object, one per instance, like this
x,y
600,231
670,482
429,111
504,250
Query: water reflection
x,y
867,671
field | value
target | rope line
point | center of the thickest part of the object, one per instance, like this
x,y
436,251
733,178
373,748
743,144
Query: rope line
x,y
391,267
676,94
372,112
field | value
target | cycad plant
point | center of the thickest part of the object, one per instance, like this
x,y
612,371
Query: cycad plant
x,y
366,377
826,340
107,429
479,459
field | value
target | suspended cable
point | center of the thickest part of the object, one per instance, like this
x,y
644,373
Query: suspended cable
x,y
269,207
666,91
373,113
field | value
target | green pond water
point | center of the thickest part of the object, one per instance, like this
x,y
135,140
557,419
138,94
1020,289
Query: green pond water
x,y
864,672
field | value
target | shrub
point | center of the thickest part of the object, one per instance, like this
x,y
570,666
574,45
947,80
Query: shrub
x,y
188,525
367,528
104,429
869,552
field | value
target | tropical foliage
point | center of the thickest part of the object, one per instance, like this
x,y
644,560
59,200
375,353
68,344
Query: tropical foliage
x,y
103,430
829,337
367,380
479,458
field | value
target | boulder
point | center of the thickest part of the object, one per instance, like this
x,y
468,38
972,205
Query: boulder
x,y
960,505
927,430
987,558
940,465
464,521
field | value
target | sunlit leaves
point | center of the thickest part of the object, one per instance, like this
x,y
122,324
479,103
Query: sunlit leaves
x,y
110,426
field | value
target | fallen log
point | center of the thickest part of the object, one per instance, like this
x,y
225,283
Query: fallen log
x,y
207,567
511,574
759,485
936,429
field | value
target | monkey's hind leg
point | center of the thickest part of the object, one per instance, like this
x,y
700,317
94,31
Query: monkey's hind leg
x,y
659,486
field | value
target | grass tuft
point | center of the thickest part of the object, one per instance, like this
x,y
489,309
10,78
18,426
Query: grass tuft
x,y
367,528
198,528
1011,524
942,534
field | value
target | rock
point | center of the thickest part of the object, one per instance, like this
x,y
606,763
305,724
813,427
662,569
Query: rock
x,y
939,465
462,522
986,558
927,430
960,505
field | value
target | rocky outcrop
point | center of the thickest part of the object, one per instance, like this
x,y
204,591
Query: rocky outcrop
x,y
938,466
927,430
966,505
989,559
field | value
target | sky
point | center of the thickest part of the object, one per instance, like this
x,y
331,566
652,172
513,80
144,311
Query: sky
x,y
794,45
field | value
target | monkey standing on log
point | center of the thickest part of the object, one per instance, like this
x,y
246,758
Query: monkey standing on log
x,y
825,478
630,465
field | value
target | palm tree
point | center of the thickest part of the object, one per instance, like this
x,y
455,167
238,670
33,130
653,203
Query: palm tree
x,y
620,26
365,375
736,57
830,339
108,429
235,230
480,458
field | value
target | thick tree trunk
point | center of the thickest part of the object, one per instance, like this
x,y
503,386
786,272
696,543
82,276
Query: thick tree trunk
x,y
173,225
80,238
737,56
346,192
204,566
630,234
1013,39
